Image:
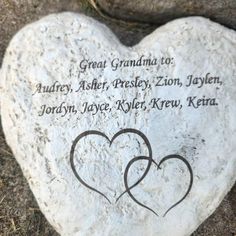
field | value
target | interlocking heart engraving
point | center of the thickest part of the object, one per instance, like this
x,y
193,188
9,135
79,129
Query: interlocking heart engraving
x,y
148,158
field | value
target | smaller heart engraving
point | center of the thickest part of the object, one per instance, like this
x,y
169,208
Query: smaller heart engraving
x,y
149,159
95,132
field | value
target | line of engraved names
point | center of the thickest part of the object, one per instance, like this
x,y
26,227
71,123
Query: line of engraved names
x,y
127,106
137,82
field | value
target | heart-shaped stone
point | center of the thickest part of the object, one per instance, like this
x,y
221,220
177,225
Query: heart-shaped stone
x,y
68,74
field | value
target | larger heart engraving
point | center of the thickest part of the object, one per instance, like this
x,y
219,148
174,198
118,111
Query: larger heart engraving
x,y
95,132
68,73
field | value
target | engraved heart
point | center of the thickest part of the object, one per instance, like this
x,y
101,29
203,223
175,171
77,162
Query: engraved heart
x,y
158,165
67,73
98,133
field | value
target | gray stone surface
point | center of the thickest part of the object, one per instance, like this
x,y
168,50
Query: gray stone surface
x,y
19,213
15,14
161,11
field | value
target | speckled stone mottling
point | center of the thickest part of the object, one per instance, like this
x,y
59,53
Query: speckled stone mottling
x,y
51,50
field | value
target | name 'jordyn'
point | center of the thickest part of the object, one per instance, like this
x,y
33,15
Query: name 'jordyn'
x,y
63,109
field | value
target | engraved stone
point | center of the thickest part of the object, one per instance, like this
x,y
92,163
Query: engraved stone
x,y
117,140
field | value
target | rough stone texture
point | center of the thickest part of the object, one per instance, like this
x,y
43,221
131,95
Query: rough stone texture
x,y
47,140
19,213
15,14
161,11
